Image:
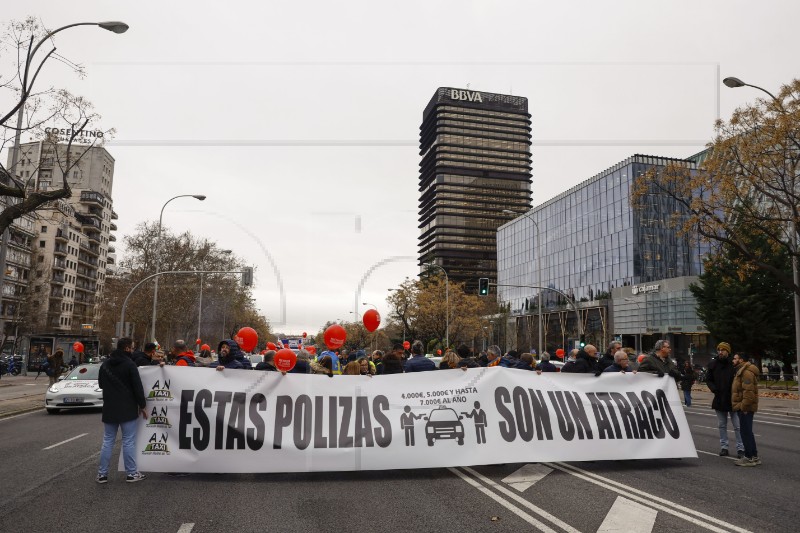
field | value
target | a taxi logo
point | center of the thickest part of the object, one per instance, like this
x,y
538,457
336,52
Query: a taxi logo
x,y
157,445
160,391
158,418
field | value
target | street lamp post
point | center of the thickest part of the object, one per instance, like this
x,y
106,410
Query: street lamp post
x,y
734,83
538,269
447,302
200,197
113,26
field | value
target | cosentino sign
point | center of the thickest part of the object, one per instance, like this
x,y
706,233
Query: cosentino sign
x,y
81,135
469,96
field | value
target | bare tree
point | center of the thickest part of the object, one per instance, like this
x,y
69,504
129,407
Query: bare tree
x,y
36,109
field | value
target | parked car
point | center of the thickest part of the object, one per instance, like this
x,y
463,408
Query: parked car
x,y
79,389
444,423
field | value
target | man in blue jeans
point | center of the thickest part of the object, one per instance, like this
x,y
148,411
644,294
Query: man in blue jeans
x,y
123,401
719,379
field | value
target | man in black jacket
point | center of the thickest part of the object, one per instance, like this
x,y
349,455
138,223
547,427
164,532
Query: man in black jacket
x,y
145,358
585,362
123,401
719,379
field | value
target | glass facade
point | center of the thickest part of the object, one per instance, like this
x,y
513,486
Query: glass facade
x,y
476,162
593,241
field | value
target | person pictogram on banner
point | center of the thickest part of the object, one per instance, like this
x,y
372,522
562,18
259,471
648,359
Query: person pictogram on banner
x,y
479,416
407,423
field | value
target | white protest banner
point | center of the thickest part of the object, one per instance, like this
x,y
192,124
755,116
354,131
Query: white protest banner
x,y
201,420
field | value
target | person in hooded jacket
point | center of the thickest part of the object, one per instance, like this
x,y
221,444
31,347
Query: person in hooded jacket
x,y
123,402
231,356
744,400
719,379
336,363
608,357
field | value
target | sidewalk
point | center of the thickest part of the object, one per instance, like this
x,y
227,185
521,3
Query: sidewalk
x,y
20,394
701,397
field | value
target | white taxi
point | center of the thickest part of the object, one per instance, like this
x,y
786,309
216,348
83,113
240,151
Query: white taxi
x,y
77,390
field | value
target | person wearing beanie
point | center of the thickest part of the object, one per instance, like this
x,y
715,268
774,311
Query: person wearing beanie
x,y
719,379
744,399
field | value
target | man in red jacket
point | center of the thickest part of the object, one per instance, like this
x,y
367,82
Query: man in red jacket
x,y
183,356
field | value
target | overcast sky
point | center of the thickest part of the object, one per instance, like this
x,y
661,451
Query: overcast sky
x,y
300,120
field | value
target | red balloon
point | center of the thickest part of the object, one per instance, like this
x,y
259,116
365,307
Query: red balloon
x,y
335,336
247,339
271,346
305,334
560,353
640,358
312,350
406,345
205,347
438,352
78,346
285,360
372,319
198,341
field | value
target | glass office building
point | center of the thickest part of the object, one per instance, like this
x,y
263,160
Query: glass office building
x,y
593,242
475,162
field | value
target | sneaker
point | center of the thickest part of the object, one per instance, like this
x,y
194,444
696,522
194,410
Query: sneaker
x,y
740,454
756,460
101,479
133,478
723,452
745,461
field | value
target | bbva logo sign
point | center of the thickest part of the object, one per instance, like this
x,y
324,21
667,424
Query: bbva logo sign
x,y
470,96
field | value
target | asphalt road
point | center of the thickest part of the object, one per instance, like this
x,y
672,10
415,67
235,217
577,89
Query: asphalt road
x,y
49,463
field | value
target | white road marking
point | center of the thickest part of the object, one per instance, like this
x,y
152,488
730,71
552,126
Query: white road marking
x,y
186,527
527,476
718,455
680,510
729,431
519,512
755,421
519,499
629,516
64,441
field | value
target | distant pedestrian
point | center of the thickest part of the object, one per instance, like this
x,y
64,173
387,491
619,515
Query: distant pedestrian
x,y
56,365
585,362
181,354
323,366
545,365
719,379
231,357
73,362
204,358
744,399
688,377
365,367
659,361
123,402
621,363
449,361
608,357
571,359
418,362
392,362
303,364
493,355
466,358
353,368
268,363
145,357
526,362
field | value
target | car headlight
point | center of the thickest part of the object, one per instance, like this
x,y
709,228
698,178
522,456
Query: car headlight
x,y
53,388
98,389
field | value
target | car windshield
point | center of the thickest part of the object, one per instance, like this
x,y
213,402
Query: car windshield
x,y
84,372
443,415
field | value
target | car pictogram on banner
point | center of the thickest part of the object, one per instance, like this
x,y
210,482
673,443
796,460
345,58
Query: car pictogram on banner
x,y
444,423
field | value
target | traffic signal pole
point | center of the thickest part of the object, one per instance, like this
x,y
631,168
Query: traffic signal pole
x,y
245,272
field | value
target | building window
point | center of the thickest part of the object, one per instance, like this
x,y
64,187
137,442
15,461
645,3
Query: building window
x,y
44,229
41,244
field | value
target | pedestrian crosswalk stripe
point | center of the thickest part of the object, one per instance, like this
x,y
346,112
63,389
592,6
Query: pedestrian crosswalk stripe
x,y
527,476
629,516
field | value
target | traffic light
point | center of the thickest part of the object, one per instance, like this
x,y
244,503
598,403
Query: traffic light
x,y
247,277
582,342
483,286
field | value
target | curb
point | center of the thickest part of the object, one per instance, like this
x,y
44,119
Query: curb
x,y
20,412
